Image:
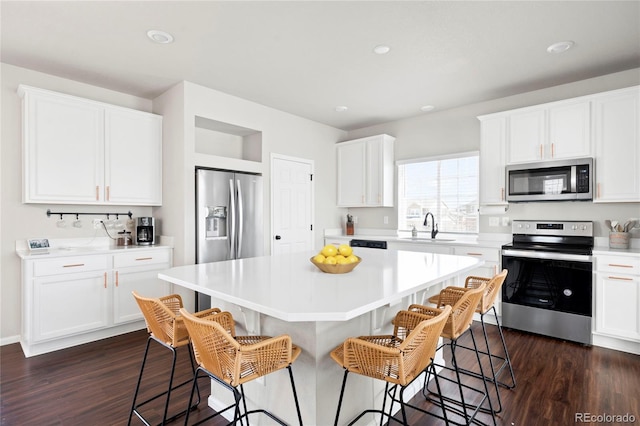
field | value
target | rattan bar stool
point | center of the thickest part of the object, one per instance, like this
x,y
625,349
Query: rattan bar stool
x,y
463,302
487,303
165,326
398,359
232,360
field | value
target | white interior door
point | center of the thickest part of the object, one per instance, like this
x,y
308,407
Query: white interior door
x,y
291,204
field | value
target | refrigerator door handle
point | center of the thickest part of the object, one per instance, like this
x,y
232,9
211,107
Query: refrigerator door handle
x,y
232,217
240,221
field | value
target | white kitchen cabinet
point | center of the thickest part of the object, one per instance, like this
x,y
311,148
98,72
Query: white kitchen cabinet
x,y
70,300
551,131
365,172
492,160
137,271
618,296
617,145
78,151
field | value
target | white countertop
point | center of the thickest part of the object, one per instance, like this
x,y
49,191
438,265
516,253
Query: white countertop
x,y
82,246
291,288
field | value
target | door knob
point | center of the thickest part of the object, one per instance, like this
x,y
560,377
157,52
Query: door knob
x,y
278,237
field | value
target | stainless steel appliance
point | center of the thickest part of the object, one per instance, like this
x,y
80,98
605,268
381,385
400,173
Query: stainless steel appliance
x,y
550,181
549,286
145,231
229,220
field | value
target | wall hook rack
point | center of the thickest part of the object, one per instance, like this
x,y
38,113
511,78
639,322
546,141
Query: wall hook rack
x,y
77,214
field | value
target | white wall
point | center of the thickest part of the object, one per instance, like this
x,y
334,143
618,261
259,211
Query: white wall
x,y
282,133
458,130
20,221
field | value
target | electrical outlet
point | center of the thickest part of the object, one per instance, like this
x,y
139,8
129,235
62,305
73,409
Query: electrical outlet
x,y
97,223
505,221
355,219
386,220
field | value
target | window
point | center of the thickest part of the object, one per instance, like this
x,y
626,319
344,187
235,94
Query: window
x,y
444,186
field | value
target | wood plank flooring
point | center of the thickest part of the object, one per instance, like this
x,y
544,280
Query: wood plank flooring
x,y
93,384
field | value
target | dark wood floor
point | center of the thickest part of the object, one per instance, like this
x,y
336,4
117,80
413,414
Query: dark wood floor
x,y
93,384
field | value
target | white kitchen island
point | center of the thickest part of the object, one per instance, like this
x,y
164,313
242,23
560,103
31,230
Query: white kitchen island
x,y
272,295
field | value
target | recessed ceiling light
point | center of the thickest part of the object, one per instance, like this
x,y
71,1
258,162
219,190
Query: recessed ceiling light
x,y
341,108
427,108
560,47
161,37
381,49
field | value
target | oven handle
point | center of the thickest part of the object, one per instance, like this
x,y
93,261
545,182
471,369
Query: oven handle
x,y
547,255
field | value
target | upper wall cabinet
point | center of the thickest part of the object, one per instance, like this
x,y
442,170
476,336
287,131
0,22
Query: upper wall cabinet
x,y
617,132
492,160
365,172
552,131
78,151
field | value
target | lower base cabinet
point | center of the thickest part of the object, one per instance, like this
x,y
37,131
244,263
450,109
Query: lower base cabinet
x,y
74,300
618,297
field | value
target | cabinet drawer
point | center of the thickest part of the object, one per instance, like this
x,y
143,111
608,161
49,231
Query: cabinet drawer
x,y
141,258
618,264
484,253
69,265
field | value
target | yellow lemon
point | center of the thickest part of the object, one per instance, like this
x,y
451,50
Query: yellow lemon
x,y
341,260
330,260
318,258
345,250
329,250
352,259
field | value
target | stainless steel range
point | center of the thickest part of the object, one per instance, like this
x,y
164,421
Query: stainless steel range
x,y
549,286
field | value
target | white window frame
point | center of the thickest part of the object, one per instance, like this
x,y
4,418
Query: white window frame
x,y
403,209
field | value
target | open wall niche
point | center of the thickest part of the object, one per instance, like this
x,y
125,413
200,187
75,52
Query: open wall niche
x,y
227,140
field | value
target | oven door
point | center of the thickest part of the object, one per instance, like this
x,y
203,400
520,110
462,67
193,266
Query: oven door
x,y
553,281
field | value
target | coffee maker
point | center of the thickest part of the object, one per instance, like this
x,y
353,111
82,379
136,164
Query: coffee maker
x,y
145,231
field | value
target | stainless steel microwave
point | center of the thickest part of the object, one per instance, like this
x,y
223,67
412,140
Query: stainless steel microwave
x,y
556,180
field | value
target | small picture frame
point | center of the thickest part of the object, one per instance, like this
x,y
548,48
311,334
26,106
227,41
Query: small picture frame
x,y
38,244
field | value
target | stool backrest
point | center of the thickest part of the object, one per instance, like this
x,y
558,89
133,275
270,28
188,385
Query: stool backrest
x,y
160,315
494,284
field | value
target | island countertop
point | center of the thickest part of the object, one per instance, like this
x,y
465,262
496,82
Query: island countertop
x,y
292,289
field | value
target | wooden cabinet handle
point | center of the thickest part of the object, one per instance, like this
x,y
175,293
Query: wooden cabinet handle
x,y
620,278
144,258
553,152
620,266
541,151
73,265
501,194
598,191
97,193
116,278
474,254
105,280
108,194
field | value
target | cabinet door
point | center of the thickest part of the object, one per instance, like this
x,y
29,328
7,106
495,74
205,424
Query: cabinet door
x,y
144,281
133,157
379,172
618,305
526,136
569,131
62,142
617,146
351,174
68,304
492,161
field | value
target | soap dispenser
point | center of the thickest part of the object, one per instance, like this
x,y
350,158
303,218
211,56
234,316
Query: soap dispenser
x,y
414,232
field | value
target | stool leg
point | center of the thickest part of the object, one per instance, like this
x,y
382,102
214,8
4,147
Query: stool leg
x,y
493,371
344,382
484,381
173,370
506,353
295,395
193,388
135,395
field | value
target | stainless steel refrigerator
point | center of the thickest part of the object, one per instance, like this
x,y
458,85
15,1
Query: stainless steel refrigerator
x,y
229,220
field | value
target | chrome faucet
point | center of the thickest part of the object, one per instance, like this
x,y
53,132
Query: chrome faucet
x,y
434,226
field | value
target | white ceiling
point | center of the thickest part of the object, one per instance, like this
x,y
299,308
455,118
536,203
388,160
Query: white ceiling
x,y
307,57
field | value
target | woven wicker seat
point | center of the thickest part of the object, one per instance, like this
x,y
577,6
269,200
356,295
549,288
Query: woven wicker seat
x,y
463,302
487,304
165,326
397,359
232,360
